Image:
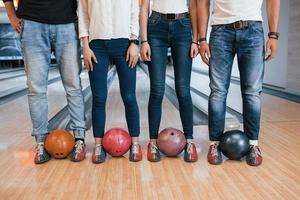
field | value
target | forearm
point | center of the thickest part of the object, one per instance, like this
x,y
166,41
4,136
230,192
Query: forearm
x,y
273,10
203,17
193,13
144,19
10,8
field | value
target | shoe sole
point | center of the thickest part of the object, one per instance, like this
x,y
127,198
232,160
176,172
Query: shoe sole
x,y
41,162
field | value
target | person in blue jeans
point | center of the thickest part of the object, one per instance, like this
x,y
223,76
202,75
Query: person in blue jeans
x,y
109,31
237,31
45,29
169,26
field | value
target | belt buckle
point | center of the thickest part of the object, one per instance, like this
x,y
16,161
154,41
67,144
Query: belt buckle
x,y
238,25
171,16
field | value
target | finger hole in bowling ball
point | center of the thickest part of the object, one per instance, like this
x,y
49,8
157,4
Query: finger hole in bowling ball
x,y
61,154
57,154
172,133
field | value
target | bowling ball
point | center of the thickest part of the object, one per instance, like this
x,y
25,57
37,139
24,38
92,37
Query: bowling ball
x,y
171,142
234,144
116,142
59,143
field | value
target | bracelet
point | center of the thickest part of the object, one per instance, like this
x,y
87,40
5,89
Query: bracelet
x,y
273,35
202,39
144,41
197,43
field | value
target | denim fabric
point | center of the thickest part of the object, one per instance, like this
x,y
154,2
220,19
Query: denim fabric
x,y
38,41
176,34
114,50
248,45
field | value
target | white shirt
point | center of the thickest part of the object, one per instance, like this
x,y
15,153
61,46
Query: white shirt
x,y
170,6
229,11
108,19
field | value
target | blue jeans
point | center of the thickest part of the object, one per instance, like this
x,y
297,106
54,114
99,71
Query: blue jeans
x,y
248,45
38,41
105,51
176,34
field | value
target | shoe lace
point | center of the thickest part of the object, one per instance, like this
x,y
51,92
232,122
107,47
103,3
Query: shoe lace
x,y
135,148
98,150
189,148
255,151
78,146
40,148
214,150
154,149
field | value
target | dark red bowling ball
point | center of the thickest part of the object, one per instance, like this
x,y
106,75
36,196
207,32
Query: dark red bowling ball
x,y
171,141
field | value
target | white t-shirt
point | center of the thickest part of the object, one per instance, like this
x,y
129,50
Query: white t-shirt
x,y
229,11
170,6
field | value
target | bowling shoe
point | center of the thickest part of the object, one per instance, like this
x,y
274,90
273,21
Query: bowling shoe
x,y
41,155
78,153
135,153
99,154
214,155
153,153
190,152
254,157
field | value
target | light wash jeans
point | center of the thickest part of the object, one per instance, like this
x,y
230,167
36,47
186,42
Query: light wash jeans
x,y
248,45
38,41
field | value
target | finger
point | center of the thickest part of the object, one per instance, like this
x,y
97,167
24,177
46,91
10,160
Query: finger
x,y
127,56
86,63
149,55
130,61
203,57
135,61
191,53
91,65
94,58
208,53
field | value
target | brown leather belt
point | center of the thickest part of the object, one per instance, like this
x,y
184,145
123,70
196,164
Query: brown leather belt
x,y
240,24
172,16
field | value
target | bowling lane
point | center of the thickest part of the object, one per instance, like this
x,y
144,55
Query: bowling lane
x,y
18,82
15,118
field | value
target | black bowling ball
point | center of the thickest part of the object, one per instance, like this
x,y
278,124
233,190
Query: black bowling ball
x,y
234,144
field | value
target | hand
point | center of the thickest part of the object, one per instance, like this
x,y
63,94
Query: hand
x,y
146,52
205,52
194,50
271,49
89,56
132,55
15,23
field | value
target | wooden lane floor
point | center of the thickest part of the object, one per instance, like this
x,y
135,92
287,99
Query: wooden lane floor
x,y
172,178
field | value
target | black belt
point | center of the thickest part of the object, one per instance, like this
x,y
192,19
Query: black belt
x,y
240,24
172,15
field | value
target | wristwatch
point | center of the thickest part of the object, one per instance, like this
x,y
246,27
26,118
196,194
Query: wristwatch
x,y
135,41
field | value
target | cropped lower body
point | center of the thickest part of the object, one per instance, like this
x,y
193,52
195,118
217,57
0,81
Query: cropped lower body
x,y
105,51
248,44
174,34
38,41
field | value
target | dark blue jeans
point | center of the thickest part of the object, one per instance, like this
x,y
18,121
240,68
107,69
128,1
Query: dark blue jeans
x,y
114,50
248,45
176,34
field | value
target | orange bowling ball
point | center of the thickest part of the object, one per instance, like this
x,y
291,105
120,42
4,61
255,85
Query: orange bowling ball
x,y
59,143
